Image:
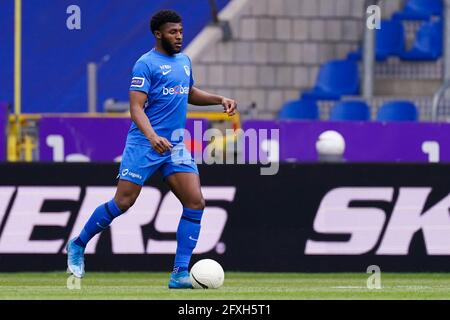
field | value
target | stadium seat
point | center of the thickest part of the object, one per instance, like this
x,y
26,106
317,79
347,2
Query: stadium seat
x,y
390,40
428,44
397,111
350,111
420,10
300,109
336,78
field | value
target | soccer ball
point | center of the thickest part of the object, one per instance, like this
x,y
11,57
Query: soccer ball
x,y
207,274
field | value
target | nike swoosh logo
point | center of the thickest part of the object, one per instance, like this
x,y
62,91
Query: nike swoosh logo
x,y
190,238
166,72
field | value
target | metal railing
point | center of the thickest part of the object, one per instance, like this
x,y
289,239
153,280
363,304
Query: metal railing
x,y
446,84
437,99
368,56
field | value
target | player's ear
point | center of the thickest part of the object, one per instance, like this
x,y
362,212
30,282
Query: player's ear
x,y
158,34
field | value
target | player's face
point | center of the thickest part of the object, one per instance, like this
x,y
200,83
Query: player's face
x,y
172,37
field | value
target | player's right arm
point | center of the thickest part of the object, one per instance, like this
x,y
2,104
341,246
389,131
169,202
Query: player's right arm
x,y
137,102
139,89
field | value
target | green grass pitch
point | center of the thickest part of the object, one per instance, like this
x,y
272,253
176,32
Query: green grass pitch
x,y
242,286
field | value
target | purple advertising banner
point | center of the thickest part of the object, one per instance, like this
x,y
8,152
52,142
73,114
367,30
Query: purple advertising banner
x,y
364,141
82,139
3,133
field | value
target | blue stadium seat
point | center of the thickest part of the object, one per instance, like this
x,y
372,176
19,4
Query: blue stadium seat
x,y
300,109
420,10
390,40
397,111
336,78
428,44
350,111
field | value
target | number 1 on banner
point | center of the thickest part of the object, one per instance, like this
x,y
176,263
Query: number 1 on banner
x,y
432,148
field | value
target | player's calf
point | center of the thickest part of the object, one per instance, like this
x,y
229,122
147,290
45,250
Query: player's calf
x,y
100,220
187,236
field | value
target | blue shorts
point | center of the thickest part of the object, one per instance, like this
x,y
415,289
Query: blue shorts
x,y
140,162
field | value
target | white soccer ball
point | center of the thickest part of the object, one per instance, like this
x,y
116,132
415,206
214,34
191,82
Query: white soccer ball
x,y
207,274
330,143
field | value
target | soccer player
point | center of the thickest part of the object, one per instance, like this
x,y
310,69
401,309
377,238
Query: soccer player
x,y
162,85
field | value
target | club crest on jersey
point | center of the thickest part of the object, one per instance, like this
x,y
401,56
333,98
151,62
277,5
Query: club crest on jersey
x,y
137,82
187,70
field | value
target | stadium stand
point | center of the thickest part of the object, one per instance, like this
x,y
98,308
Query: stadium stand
x,y
278,47
406,75
276,50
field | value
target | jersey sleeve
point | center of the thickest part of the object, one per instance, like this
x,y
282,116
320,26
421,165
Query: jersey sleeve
x,y
141,79
191,80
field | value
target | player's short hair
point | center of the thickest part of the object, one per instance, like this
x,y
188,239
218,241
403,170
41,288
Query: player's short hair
x,y
162,17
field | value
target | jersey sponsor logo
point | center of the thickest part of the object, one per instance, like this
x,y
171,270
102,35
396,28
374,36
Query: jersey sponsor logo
x,y
21,210
135,175
175,90
356,213
127,172
187,70
166,72
137,82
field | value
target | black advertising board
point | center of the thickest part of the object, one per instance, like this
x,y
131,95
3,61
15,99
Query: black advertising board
x,y
306,218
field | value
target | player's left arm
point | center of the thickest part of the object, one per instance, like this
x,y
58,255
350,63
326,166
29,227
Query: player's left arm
x,y
202,98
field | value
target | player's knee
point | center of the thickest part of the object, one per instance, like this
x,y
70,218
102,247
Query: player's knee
x,y
202,204
198,204
125,202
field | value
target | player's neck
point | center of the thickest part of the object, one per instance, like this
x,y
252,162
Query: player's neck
x,y
160,49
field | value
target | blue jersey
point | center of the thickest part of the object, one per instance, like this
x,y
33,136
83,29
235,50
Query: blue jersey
x,y
167,81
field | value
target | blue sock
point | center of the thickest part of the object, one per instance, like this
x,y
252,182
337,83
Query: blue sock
x,y
187,236
100,220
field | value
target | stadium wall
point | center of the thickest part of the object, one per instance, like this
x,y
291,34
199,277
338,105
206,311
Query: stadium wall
x,y
307,218
113,34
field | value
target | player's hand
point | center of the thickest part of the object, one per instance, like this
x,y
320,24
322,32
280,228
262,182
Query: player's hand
x,y
229,106
160,144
